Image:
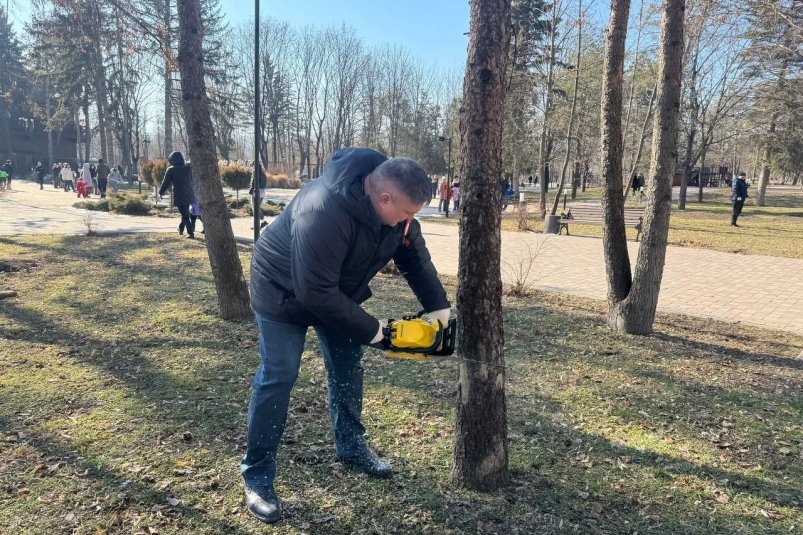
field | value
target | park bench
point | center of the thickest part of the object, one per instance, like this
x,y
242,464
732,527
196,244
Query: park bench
x,y
588,214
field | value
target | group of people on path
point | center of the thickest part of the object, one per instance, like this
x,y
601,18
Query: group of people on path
x,y
446,192
89,179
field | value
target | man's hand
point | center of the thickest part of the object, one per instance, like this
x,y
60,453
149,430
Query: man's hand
x,y
738,198
441,316
380,334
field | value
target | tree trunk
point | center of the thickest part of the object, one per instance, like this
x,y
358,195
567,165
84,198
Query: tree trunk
x,y
168,82
636,313
687,167
6,115
88,140
614,237
764,180
481,450
700,178
640,149
544,149
571,113
49,116
232,289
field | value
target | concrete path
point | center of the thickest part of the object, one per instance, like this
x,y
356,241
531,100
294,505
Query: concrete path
x,y
696,282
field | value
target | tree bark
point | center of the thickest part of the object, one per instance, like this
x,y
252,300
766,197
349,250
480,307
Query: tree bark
x,y
614,237
636,313
168,82
764,180
700,177
694,116
481,449
232,290
544,148
571,113
637,155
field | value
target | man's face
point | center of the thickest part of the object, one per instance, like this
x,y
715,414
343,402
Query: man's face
x,y
393,207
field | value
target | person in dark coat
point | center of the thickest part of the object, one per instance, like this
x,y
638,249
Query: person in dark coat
x,y
102,172
179,175
738,196
312,267
41,172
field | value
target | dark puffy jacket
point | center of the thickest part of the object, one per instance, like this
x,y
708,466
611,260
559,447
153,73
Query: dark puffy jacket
x,y
312,266
739,189
179,176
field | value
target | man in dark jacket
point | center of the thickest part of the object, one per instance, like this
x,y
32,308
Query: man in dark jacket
x,y
179,176
738,196
311,267
41,172
103,171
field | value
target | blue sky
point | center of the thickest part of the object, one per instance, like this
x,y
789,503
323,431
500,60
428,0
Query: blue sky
x,y
433,30
430,29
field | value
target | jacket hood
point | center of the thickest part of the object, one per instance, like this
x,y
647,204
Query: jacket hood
x,y
176,158
343,176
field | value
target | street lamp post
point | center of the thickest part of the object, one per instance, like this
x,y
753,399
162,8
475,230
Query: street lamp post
x,y
448,171
257,170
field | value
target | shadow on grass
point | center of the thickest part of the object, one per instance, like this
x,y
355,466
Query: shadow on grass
x,y
551,492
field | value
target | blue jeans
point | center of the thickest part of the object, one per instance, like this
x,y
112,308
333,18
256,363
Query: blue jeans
x,y
280,348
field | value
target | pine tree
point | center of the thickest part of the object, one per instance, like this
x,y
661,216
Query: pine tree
x,y
15,80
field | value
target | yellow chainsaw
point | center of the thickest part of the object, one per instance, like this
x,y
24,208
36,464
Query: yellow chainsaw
x,y
415,338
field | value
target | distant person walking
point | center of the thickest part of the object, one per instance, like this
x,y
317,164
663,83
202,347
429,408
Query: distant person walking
x,y
55,172
93,173
446,195
456,196
8,167
84,184
41,172
67,177
179,176
115,178
738,196
103,177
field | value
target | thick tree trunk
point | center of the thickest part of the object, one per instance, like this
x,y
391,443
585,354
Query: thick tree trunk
x,y
614,237
636,314
481,450
232,290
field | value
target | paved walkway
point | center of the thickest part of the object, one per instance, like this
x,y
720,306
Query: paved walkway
x,y
769,292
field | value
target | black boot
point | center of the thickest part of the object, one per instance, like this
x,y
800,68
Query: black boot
x,y
265,506
368,462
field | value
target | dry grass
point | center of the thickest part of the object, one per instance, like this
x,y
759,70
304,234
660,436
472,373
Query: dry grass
x,y
124,403
773,230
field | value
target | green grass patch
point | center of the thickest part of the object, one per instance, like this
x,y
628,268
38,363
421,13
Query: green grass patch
x,y
124,400
101,205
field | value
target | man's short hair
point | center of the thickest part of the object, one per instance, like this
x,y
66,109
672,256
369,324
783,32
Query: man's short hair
x,y
408,176
742,174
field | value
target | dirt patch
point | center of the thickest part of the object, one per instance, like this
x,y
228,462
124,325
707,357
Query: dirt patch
x,y
13,266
